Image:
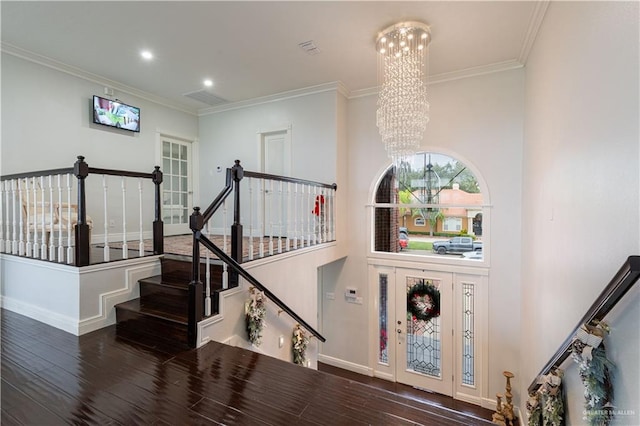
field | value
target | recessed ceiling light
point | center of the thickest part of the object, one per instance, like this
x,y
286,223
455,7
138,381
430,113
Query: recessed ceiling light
x,y
208,83
146,55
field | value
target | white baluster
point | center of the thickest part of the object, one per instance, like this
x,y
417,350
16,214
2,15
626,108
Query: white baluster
x,y
60,246
261,222
271,217
52,234
29,246
288,223
225,276
43,239
280,213
224,227
36,246
125,247
316,218
7,246
21,248
295,215
70,252
250,218
105,252
14,237
2,217
310,202
141,237
207,279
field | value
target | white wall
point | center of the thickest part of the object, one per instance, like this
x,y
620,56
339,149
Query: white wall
x,y
229,135
580,178
478,120
46,123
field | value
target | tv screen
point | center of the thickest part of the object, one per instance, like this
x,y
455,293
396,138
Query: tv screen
x,y
116,114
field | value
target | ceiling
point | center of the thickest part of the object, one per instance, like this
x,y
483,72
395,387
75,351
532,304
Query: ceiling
x,y
250,49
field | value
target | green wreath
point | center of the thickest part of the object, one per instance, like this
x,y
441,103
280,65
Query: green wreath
x,y
423,301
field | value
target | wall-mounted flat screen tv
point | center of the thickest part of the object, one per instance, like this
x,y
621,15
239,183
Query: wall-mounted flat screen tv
x,y
116,114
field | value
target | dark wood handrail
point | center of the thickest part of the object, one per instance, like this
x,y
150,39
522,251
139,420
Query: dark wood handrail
x,y
37,173
290,179
217,202
624,279
254,282
124,173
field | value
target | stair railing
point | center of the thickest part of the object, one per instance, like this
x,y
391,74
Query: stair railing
x,y
43,214
620,284
290,229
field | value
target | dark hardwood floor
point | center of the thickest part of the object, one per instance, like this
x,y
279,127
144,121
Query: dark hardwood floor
x,y
51,377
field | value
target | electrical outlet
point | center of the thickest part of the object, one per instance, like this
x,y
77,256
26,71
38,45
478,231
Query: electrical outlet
x,y
281,341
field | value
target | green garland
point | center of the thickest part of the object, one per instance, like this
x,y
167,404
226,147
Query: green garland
x,y
546,407
254,314
423,301
299,345
595,372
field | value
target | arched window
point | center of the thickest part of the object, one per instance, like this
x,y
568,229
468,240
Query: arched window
x,y
431,206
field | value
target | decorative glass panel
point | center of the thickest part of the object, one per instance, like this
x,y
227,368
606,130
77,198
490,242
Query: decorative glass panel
x,y
383,355
424,352
467,334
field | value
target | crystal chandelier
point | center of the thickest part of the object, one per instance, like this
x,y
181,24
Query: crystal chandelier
x,y
403,110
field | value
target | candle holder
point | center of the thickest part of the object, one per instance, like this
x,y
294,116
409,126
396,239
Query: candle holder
x,y
504,411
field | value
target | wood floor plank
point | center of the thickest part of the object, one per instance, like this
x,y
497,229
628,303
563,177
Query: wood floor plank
x,y
112,377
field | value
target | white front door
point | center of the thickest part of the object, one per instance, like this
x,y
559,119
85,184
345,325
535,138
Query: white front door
x,y
176,186
275,161
424,346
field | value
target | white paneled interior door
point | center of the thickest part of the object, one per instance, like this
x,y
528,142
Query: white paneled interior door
x,y
177,192
276,160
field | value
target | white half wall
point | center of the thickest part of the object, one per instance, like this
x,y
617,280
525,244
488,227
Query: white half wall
x,y
76,300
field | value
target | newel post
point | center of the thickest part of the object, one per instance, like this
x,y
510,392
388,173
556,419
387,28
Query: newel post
x,y
196,297
82,234
237,173
158,226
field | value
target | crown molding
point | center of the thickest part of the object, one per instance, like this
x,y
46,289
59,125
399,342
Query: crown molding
x,y
535,22
85,75
450,76
336,86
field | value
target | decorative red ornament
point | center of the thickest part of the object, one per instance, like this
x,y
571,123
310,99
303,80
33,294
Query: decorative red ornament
x,y
317,210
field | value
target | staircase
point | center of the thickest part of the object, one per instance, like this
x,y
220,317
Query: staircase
x,y
162,308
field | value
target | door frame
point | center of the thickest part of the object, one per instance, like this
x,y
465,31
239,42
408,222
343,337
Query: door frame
x,y
262,135
479,277
192,179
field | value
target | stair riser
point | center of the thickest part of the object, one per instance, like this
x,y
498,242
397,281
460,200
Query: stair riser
x,y
161,328
180,271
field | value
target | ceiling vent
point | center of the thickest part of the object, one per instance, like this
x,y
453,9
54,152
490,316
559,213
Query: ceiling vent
x,y
206,97
309,47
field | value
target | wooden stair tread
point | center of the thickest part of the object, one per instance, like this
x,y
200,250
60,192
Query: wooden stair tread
x,y
164,281
154,310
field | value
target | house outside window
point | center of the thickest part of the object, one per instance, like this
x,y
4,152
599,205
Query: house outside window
x,y
453,224
431,197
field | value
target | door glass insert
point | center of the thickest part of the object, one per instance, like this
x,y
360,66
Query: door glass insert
x,y
383,355
424,352
467,334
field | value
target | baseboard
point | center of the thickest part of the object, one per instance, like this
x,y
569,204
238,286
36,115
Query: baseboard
x,y
65,323
384,376
471,399
488,403
345,365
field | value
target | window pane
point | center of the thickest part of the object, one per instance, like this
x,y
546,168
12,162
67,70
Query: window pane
x,y
437,198
166,149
